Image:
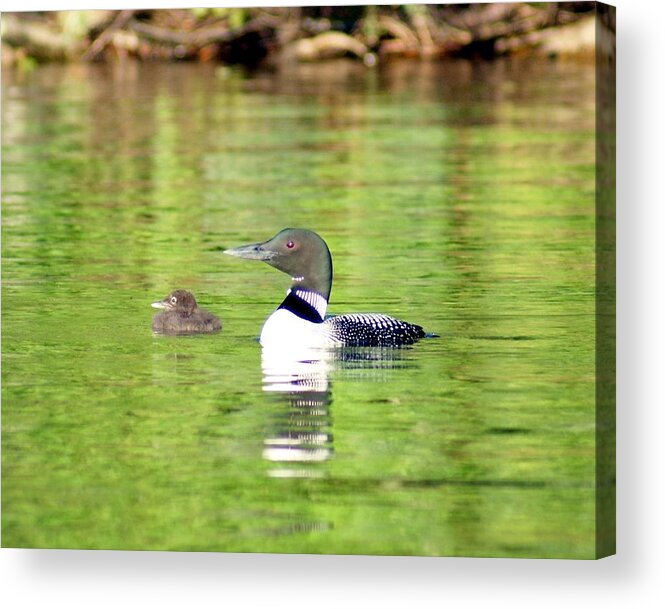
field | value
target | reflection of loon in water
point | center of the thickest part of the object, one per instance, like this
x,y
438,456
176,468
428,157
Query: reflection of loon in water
x,y
300,433
300,437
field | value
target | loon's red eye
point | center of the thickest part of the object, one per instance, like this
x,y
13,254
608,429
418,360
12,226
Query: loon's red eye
x,y
290,244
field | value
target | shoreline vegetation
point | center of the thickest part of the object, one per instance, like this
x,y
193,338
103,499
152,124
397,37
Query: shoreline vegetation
x,y
253,36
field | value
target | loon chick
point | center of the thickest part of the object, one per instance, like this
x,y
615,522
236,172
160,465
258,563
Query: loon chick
x,y
182,315
300,319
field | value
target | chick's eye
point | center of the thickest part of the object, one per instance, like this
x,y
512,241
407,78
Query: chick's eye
x,y
290,244
173,300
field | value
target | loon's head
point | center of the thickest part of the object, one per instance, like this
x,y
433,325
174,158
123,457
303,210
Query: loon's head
x,y
298,252
180,301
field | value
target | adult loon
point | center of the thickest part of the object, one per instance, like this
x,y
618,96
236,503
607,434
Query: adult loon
x,y
301,318
182,315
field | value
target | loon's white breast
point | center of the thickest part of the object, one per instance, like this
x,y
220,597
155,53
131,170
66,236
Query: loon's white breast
x,y
285,330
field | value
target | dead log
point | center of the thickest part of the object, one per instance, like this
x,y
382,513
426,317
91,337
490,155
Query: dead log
x,y
574,39
327,46
38,39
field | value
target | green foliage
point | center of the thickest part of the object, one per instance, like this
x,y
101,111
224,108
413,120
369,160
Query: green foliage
x,y
371,25
26,63
75,24
236,16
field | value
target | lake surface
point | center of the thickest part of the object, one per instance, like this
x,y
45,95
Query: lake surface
x,y
459,196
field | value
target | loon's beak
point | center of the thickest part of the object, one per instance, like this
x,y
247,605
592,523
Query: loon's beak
x,y
160,304
254,251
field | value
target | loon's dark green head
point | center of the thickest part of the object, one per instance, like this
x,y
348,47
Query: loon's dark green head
x,y
300,253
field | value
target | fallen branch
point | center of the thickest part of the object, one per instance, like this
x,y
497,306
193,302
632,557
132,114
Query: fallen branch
x,y
420,20
398,29
107,35
196,38
479,15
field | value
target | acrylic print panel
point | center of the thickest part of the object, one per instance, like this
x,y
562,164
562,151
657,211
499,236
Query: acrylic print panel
x,y
457,161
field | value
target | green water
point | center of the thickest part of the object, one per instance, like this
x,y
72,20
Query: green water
x,y
458,196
